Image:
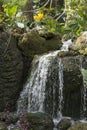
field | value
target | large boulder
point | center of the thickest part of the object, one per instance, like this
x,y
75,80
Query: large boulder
x,y
11,70
40,121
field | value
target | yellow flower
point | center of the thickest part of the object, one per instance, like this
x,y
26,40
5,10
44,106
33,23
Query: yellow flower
x,y
38,16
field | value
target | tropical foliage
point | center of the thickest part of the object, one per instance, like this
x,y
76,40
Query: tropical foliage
x,y
76,11
71,18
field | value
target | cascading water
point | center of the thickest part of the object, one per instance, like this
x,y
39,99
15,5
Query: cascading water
x,y
33,96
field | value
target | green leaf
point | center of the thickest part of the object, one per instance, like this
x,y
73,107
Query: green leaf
x,y
13,10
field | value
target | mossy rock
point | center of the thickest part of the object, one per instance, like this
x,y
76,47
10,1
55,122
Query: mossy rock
x,y
40,121
79,126
32,43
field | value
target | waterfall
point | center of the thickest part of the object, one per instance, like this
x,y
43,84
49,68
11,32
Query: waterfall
x,y
33,95
43,91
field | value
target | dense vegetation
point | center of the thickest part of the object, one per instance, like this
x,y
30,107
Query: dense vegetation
x,y
70,17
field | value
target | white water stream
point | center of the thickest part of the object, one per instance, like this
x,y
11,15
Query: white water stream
x,y
60,89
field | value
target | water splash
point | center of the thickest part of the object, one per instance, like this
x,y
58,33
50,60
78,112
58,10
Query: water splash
x,y
66,44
